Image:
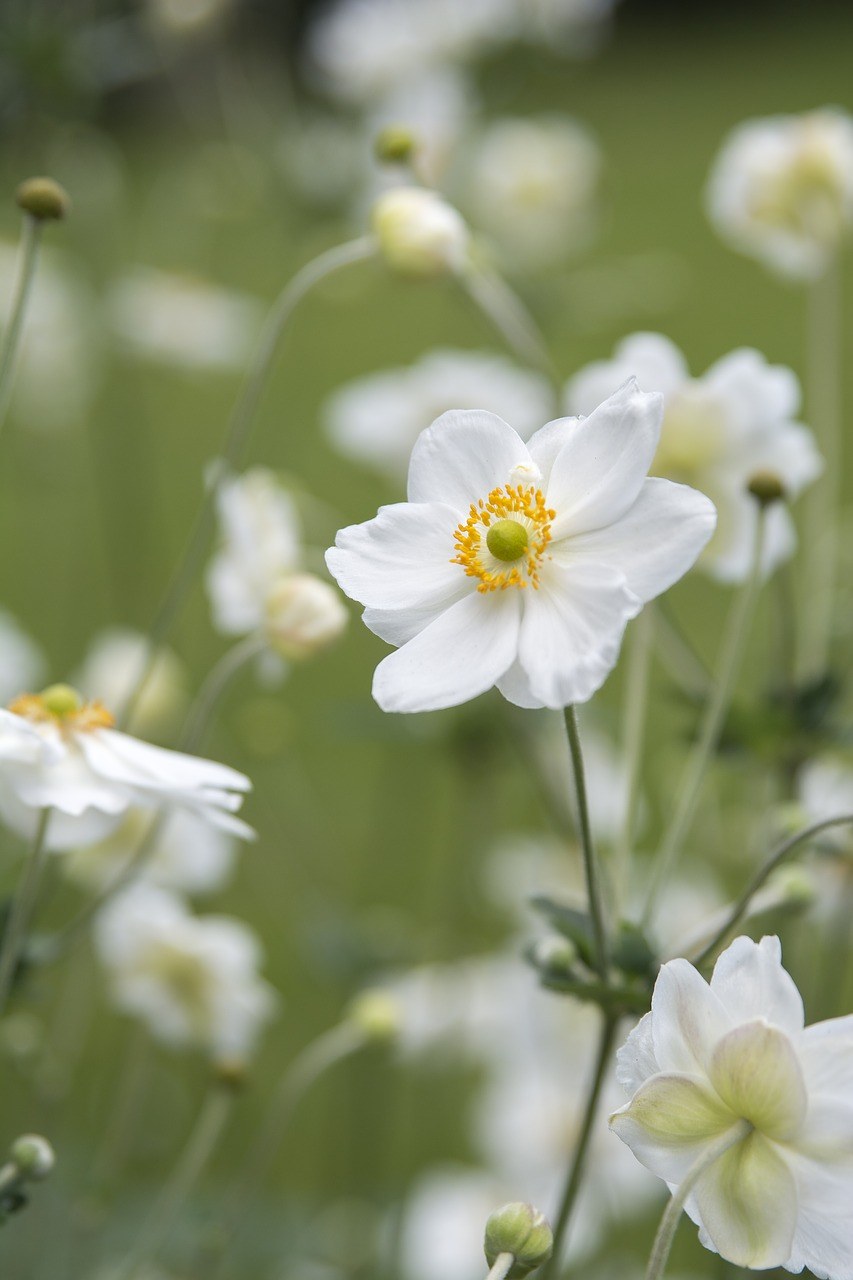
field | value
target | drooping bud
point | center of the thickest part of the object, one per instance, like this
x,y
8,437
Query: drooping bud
x,y
395,144
524,1232
33,1156
43,198
377,1015
419,233
766,487
304,615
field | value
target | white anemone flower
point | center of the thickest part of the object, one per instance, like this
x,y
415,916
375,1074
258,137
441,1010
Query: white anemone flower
x,y
734,1057
193,980
60,753
111,669
781,190
24,664
378,418
718,430
520,565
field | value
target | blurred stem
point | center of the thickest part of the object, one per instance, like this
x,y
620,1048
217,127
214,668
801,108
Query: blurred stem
x,y
126,1108
681,659
21,909
734,641
501,1266
576,1168
823,389
503,308
590,862
236,439
214,686
634,718
673,1211
30,241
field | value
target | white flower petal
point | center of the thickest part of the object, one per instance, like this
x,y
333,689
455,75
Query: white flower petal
x,y
823,1240
754,1069
687,1019
669,1121
749,982
651,358
399,559
747,1204
755,391
514,685
636,1061
826,1054
547,442
462,457
121,758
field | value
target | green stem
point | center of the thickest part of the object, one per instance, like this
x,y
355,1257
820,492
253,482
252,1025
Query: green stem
x,y
635,706
734,641
507,313
30,240
590,862
21,909
501,1266
673,1211
576,1168
235,443
214,686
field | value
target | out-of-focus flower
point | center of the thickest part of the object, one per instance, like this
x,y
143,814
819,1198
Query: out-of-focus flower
x,y
192,980
419,234
732,1059
304,615
60,753
441,1234
111,669
531,184
781,189
181,321
23,665
186,17
378,418
519,566
718,431
825,790
567,26
188,855
435,108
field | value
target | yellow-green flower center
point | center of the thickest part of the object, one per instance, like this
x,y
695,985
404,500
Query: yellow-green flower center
x,y
512,526
507,540
61,700
61,705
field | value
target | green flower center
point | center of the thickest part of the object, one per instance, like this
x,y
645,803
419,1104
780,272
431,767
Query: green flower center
x,y
507,540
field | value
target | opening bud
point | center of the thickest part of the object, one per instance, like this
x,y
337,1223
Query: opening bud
x,y
766,487
395,144
419,233
377,1015
33,1156
305,614
43,198
524,1232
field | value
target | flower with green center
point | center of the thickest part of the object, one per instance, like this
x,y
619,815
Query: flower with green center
x,y
733,1057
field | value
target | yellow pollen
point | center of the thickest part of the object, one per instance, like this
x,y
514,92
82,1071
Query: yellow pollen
x,y
522,506
61,705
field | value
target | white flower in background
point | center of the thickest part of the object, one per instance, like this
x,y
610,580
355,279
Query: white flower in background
x,y
443,1218
111,669
565,26
23,664
712,1060
718,430
193,980
186,17
60,753
189,854
825,790
304,615
435,108
178,320
519,565
781,189
531,184
378,418
419,234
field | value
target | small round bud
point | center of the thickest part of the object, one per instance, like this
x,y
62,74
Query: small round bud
x,y
304,615
60,700
230,1074
524,1232
766,488
419,233
507,540
395,144
33,1156
377,1015
43,198
556,954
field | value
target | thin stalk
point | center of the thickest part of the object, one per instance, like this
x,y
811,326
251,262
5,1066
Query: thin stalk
x,y
681,659
508,315
214,686
236,439
673,1211
21,908
501,1266
590,862
30,241
734,641
576,1168
634,717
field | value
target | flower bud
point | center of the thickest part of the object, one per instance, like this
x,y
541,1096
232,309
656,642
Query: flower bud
x,y
395,144
555,954
304,615
524,1232
377,1015
42,198
766,487
230,1074
33,1156
419,233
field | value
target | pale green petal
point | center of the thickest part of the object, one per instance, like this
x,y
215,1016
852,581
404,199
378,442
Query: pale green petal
x,y
747,1204
755,1070
668,1123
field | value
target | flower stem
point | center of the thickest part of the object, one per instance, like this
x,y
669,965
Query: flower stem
x,y
635,705
30,240
673,1211
236,439
576,1168
502,307
501,1266
214,686
590,862
21,909
734,640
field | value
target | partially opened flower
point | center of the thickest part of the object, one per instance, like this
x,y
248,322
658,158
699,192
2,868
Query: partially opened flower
x,y
720,429
419,233
732,1058
112,668
519,565
60,753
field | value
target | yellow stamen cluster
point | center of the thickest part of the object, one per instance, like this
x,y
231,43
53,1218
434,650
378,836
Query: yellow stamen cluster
x,y
61,705
523,504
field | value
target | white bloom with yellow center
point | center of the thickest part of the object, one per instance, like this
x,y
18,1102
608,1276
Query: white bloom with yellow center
x,y
111,670
192,980
60,753
718,430
712,1060
781,189
520,565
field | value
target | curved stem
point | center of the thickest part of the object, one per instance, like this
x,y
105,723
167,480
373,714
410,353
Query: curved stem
x,y
507,313
734,641
30,240
235,442
214,686
591,868
673,1211
21,909
777,857
501,1266
636,702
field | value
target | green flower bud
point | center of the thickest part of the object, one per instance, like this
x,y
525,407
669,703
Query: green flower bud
x,y
33,1156
377,1015
43,198
555,954
524,1232
395,144
766,487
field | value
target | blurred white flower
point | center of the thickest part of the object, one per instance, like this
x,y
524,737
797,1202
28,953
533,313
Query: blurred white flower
x,y
733,1060
304,615
189,854
531,184
186,17
718,430
60,753
519,565
781,189
419,233
565,26
436,108
193,980
444,1216
178,320
23,665
378,418
825,790
112,667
